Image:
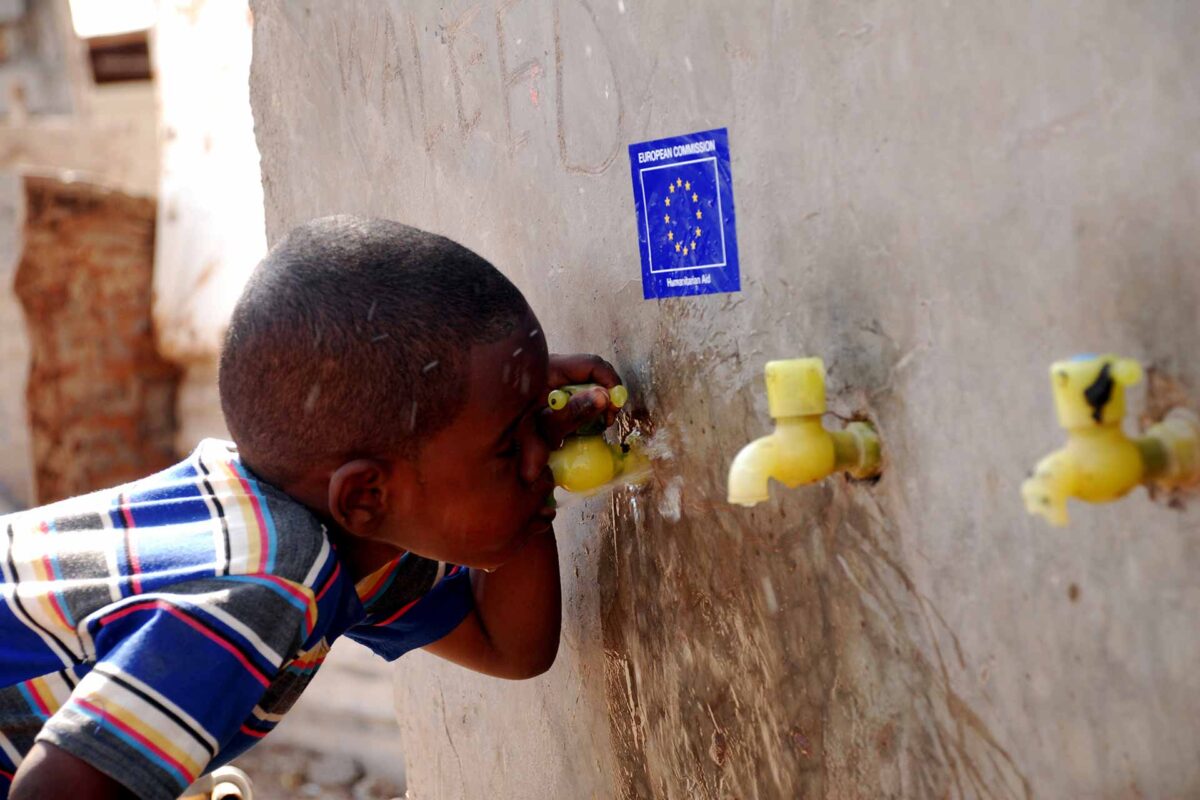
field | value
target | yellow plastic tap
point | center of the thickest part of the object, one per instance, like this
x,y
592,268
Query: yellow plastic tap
x,y
1099,463
618,395
800,450
586,462
224,783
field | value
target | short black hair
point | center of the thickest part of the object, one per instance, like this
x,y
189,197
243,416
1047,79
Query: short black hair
x,y
350,339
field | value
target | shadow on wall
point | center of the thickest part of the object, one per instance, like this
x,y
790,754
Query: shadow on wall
x,y
101,400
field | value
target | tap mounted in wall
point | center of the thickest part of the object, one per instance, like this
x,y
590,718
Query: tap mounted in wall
x,y
1100,463
224,783
800,450
586,463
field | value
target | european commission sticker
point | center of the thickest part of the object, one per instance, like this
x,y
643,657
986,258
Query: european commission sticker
x,y
683,193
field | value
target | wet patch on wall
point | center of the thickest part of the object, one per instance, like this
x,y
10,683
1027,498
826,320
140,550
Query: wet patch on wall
x,y
783,651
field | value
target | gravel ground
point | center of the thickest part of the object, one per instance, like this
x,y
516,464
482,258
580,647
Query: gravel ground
x,y
287,772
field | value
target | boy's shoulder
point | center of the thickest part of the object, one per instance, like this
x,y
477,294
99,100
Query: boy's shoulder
x,y
206,513
266,530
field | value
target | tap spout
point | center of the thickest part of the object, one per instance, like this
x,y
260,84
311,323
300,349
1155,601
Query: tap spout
x,y
800,450
751,471
1045,492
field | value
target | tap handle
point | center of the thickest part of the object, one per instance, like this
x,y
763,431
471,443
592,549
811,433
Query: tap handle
x,y
618,395
1089,390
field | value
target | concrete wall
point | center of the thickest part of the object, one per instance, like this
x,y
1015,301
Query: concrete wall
x,y
211,231
101,398
53,121
35,52
52,117
16,460
939,199
111,140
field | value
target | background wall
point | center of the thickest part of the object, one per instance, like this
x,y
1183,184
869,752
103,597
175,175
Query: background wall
x,y
101,398
211,231
16,465
939,200
53,120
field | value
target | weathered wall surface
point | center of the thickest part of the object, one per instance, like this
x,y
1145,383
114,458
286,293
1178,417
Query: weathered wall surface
x,y
34,56
52,120
111,139
101,399
939,200
16,462
52,117
210,231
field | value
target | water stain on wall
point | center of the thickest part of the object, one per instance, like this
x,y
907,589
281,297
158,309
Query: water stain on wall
x,y
782,651
802,663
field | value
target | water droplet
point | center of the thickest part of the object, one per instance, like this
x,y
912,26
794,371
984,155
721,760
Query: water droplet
x,y
371,311
518,351
310,402
769,595
429,366
670,501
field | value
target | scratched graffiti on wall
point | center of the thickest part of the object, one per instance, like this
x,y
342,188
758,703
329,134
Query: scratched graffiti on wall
x,y
555,85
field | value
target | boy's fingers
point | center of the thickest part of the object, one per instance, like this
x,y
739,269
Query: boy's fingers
x,y
582,408
581,368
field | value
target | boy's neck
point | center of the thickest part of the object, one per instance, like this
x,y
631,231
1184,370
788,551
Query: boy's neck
x,y
361,557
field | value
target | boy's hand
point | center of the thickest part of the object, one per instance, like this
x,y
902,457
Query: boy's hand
x,y
584,407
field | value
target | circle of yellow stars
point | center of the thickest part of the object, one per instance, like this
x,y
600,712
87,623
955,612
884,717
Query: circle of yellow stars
x,y
682,187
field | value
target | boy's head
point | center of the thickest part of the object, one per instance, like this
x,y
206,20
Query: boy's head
x,y
388,378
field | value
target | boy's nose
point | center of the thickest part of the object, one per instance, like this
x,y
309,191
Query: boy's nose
x,y
544,483
535,454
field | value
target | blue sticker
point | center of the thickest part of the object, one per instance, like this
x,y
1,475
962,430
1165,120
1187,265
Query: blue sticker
x,y
683,193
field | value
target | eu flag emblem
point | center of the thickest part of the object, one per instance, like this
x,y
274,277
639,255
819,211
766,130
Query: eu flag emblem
x,y
684,201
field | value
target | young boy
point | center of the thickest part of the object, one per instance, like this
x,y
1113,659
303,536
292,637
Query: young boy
x,y
386,390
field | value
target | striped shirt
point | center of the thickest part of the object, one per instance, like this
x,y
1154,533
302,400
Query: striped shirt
x,y
159,629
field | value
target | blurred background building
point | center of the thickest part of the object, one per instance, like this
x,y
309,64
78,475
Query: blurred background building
x,y
130,213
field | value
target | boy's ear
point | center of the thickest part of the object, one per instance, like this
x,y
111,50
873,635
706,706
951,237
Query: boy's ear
x,y
358,496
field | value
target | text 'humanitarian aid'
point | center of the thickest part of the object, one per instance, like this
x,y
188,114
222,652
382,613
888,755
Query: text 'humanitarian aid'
x,y
683,195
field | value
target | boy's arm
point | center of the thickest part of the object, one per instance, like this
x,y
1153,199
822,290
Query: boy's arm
x,y
512,632
50,772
